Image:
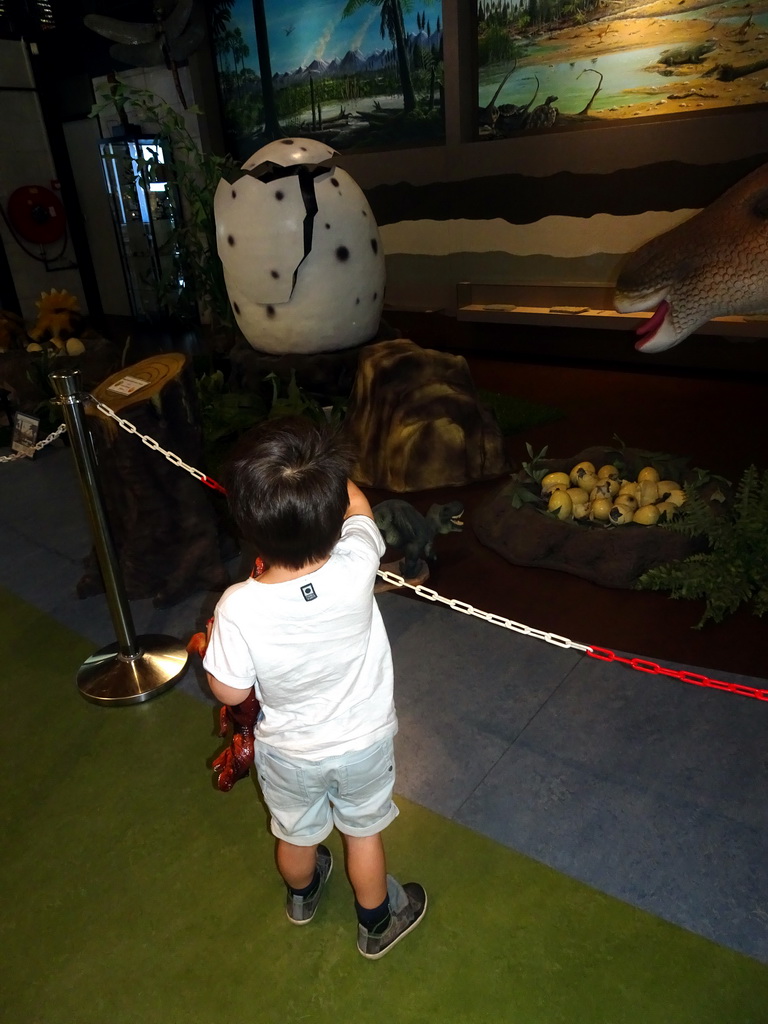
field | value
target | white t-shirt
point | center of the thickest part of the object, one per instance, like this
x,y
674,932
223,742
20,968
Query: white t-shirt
x,y
316,650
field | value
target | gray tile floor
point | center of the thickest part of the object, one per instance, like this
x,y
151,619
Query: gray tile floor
x,y
646,788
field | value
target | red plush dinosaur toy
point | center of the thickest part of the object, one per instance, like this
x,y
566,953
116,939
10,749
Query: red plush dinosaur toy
x,y
235,761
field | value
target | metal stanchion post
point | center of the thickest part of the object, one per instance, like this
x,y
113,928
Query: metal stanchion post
x,y
134,668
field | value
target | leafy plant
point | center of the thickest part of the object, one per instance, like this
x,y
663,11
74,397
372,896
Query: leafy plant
x,y
226,412
196,175
47,409
734,569
536,467
298,402
519,492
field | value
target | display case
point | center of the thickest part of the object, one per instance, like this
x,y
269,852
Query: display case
x,y
146,210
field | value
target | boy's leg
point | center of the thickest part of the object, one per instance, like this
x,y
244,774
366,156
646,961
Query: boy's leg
x,y
386,910
367,869
297,864
305,870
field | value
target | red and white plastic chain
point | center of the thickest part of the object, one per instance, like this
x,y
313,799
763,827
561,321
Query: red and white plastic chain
x,y
600,653
151,443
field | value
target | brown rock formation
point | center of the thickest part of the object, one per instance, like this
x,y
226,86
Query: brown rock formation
x,y
416,421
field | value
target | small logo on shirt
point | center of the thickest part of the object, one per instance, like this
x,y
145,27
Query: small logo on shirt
x,y
308,592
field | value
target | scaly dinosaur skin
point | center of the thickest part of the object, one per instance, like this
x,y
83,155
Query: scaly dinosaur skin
x,y
715,264
405,528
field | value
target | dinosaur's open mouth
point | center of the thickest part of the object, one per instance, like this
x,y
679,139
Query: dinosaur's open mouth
x,y
648,328
456,521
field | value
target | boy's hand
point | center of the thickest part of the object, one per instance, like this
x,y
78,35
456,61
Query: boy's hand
x,y
198,642
234,762
358,503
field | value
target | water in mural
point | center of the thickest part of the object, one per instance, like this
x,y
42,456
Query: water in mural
x,y
553,63
357,74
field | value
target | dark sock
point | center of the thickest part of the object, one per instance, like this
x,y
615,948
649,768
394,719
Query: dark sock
x,y
308,890
374,920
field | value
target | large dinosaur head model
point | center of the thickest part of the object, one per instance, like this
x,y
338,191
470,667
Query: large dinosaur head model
x,y
714,264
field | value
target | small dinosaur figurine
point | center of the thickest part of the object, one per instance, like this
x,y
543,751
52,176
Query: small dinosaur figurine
x,y
407,530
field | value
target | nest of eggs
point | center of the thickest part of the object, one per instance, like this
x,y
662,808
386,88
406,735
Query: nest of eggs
x,y
602,542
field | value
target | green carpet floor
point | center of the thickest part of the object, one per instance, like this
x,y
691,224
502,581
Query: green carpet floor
x,y
135,893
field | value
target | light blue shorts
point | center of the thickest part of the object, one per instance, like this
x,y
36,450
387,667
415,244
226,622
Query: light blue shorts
x,y
352,791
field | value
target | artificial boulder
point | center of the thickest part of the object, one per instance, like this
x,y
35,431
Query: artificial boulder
x,y
416,421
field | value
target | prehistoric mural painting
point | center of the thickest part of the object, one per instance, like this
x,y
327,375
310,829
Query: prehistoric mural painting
x,y
556,63
355,74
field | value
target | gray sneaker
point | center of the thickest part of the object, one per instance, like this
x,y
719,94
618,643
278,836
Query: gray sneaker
x,y
301,909
407,906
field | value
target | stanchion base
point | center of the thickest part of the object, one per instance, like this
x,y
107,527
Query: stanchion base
x,y
108,678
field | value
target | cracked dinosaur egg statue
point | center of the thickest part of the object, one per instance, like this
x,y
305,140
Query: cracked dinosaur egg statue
x,y
301,252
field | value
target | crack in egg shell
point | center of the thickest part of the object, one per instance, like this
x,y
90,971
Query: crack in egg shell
x,y
260,239
256,234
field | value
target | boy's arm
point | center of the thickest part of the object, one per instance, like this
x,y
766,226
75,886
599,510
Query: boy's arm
x,y
230,695
358,503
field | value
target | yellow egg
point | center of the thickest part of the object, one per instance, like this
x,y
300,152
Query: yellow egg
x,y
666,487
626,499
560,502
577,495
620,514
649,492
647,515
648,473
676,497
630,487
667,511
554,480
581,511
581,471
605,488
601,509
608,472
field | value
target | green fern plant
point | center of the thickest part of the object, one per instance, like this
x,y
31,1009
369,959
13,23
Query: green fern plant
x,y
734,569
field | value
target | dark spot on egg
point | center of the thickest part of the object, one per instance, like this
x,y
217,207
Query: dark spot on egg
x,y
270,310
230,239
303,149
275,274
287,142
327,227
342,253
374,245
234,194
364,213
236,308
279,195
375,296
357,302
335,182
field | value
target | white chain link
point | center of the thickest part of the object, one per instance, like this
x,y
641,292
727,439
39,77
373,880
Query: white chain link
x,y
495,620
150,442
389,577
36,448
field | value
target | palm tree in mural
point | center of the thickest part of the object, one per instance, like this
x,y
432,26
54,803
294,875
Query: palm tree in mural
x,y
272,128
219,15
392,25
240,50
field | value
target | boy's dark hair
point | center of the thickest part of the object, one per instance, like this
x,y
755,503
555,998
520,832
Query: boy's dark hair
x,y
286,482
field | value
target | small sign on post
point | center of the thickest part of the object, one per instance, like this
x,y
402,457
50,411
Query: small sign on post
x,y
25,429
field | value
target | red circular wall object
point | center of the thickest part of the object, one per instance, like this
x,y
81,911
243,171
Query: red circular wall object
x,y
36,214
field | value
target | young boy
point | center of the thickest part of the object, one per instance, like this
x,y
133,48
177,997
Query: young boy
x,y
308,636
